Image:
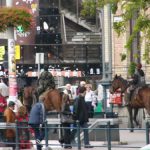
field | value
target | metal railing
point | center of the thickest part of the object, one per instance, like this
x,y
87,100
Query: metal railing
x,y
79,145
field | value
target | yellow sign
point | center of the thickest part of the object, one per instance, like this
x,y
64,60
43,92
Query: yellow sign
x,y
2,52
17,52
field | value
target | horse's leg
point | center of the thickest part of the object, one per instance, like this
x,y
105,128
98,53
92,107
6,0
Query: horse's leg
x,y
135,116
130,118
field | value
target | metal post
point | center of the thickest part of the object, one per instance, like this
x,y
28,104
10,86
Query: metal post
x,y
39,55
17,136
147,132
78,135
109,135
77,9
46,134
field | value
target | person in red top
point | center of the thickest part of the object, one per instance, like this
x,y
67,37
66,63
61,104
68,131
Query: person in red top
x,y
3,105
24,136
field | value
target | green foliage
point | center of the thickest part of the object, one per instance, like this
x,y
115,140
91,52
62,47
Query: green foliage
x,y
14,17
89,8
123,56
131,68
119,27
129,11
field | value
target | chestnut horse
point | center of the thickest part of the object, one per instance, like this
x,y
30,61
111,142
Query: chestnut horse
x,y
29,97
53,100
139,100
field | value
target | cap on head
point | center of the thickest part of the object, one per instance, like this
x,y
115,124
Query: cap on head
x,y
11,103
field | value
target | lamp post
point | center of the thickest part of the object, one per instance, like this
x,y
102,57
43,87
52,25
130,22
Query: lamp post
x,y
11,61
105,17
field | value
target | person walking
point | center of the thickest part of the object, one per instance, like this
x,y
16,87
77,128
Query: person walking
x,y
81,114
10,117
66,121
37,118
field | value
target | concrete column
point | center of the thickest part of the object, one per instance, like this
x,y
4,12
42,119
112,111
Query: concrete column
x,y
107,43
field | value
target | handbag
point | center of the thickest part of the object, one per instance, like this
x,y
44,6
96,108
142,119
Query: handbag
x,y
67,118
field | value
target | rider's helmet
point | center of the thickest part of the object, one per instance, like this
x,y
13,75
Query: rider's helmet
x,y
139,65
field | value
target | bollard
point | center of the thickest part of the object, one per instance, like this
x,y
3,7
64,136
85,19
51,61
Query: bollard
x,y
147,132
46,134
78,135
109,135
17,136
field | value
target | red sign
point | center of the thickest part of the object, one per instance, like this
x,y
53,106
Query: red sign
x,y
116,98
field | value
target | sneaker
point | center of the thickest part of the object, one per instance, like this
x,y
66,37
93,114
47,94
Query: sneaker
x,y
39,147
68,147
88,146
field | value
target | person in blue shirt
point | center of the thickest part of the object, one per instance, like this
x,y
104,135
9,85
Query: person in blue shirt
x,y
37,119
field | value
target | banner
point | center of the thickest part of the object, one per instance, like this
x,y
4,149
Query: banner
x,y
2,52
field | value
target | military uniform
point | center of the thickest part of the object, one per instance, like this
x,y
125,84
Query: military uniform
x,y
45,81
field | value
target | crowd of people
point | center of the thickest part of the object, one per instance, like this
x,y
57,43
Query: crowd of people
x,y
79,108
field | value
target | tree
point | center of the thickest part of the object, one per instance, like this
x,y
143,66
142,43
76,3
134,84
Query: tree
x,y
142,22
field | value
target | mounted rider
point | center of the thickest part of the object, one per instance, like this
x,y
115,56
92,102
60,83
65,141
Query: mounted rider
x,y
137,81
46,81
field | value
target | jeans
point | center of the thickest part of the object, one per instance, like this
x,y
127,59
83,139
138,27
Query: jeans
x,y
39,134
85,133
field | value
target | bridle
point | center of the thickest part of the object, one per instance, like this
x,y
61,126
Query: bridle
x,y
123,84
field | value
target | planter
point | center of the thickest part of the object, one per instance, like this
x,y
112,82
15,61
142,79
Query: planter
x,y
14,17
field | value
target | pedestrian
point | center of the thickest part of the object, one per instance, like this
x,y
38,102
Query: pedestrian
x,y
37,118
10,117
81,114
68,91
82,84
90,100
66,121
4,88
3,105
22,122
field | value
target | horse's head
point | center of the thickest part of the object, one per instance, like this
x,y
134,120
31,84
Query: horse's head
x,y
118,82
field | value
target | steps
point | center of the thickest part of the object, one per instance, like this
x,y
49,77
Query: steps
x,y
73,18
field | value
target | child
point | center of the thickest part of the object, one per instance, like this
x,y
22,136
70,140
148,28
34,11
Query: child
x,y
24,136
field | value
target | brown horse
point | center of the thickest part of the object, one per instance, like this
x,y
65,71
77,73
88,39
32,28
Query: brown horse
x,y
29,97
53,100
139,100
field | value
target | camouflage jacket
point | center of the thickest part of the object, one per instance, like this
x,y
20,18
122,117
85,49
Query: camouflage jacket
x,y
45,81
